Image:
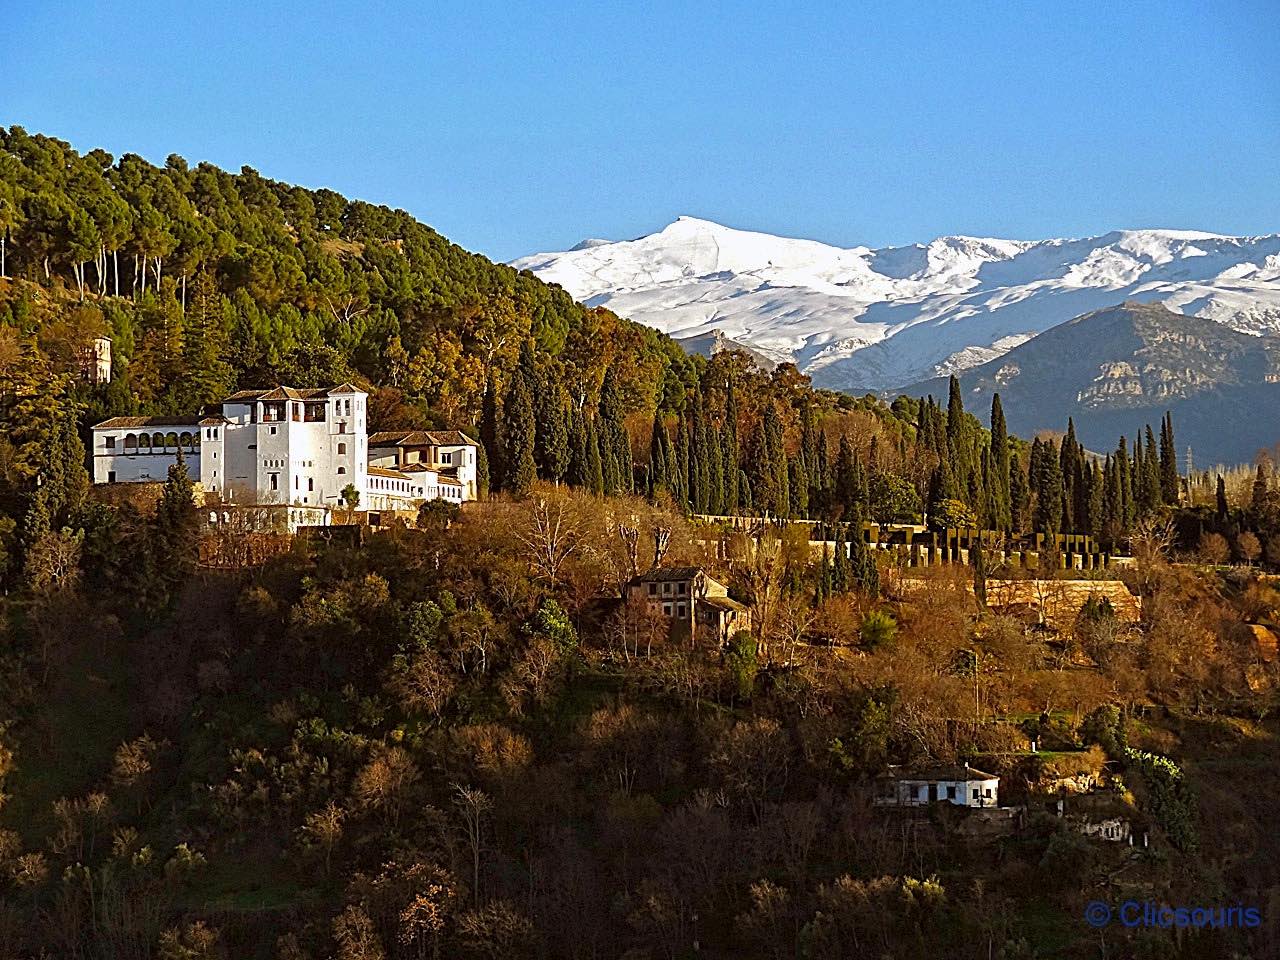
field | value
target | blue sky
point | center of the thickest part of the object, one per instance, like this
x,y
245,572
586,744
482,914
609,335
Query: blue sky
x,y
520,127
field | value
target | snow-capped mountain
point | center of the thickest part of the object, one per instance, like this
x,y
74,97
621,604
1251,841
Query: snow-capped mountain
x,y
860,318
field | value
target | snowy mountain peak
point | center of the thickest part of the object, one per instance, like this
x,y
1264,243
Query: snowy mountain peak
x,y
859,318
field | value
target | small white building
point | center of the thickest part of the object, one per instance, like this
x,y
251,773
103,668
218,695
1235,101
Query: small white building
x,y
290,447
961,786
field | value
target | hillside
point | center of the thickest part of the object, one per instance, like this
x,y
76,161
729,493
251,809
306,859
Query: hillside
x,y
1115,369
861,318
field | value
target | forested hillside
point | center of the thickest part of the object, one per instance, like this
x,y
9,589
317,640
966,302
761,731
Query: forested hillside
x,y
456,738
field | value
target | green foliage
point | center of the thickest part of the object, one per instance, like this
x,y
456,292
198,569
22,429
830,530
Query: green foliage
x,y
1171,798
877,629
742,659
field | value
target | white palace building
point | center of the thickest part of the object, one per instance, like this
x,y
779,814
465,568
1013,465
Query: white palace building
x,y
291,448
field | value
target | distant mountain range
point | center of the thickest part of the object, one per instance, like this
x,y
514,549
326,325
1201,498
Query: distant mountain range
x,y
1118,369
863,319
1079,328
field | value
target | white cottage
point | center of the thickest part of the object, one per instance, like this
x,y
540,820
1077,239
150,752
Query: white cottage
x,y
961,786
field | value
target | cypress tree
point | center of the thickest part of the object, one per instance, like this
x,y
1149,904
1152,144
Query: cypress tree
x,y
595,462
1048,507
1168,461
778,461
1125,484
824,588
1150,466
682,477
729,451
1019,496
840,578
1223,510
1069,464
490,434
1258,496
998,488
518,433
715,468
659,454
798,487
820,482
845,484
579,471
552,433
700,458
615,445
955,420
745,497
1094,502
862,561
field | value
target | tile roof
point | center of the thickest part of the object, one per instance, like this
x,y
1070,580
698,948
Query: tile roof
x,y
116,423
420,438
667,574
723,603
383,472
956,772
282,392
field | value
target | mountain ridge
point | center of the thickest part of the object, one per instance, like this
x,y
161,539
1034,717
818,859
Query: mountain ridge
x,y
1115,369
860,318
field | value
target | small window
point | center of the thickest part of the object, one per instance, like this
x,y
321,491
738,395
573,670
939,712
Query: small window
x,y
666,609
682,610
682,588
666,589
342,448
951,792
342,470
273,431
275,481
975,793
311,483
111,443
